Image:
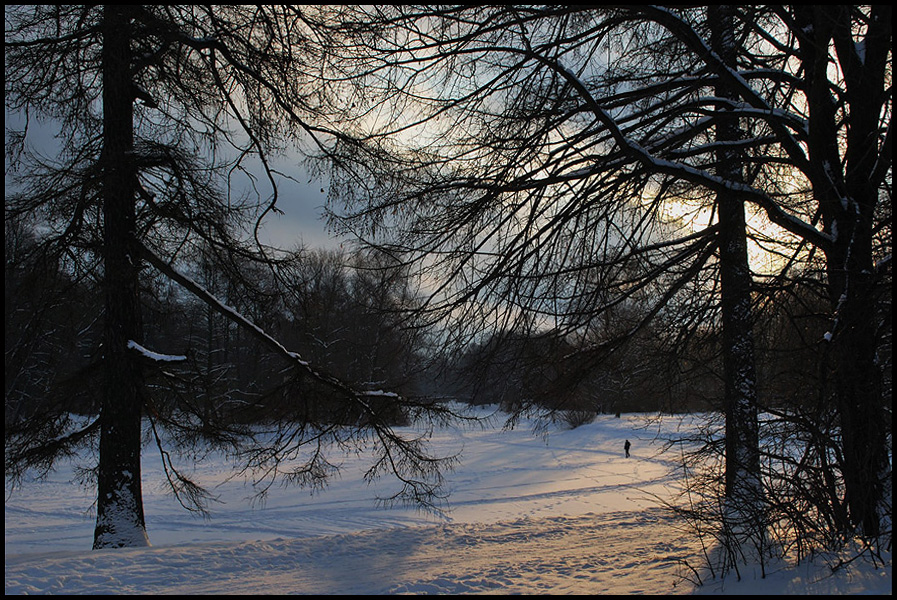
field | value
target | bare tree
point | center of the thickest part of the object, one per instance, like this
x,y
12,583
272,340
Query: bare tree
x,y
543,191
532,161
743,486
158,110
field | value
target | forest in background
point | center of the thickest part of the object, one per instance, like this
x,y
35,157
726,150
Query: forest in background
x,y
349,313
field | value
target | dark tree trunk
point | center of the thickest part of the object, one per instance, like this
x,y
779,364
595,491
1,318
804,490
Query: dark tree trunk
x,y
742,436
848,206
120,520
857,380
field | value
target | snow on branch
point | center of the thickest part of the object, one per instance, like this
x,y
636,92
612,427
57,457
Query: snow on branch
x,y
686,34
406,458
155,356
213,302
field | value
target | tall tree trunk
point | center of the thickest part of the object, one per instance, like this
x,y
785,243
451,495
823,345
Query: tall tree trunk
x,y
857,378
742,430
120,520
851,274
848,205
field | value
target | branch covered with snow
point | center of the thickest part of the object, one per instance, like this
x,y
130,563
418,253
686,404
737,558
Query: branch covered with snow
x,y
155,356
213,302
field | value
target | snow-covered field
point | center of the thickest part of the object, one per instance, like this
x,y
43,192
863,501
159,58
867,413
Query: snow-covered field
x,y
564,513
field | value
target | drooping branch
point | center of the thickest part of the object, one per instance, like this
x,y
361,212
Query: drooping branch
x,y
220,307
406,458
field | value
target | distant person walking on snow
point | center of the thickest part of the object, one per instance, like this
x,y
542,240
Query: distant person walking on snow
x,y
626,447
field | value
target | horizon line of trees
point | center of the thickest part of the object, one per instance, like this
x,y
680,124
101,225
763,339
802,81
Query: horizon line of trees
x,y
349,313
341,311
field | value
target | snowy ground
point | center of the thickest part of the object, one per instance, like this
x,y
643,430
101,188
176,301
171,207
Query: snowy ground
x,y
562,514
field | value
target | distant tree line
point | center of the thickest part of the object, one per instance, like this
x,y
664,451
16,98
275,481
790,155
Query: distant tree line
x,y
349,313
344,312
662,368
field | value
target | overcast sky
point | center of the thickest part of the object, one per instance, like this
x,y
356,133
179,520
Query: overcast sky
x,y
301,200
303,205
